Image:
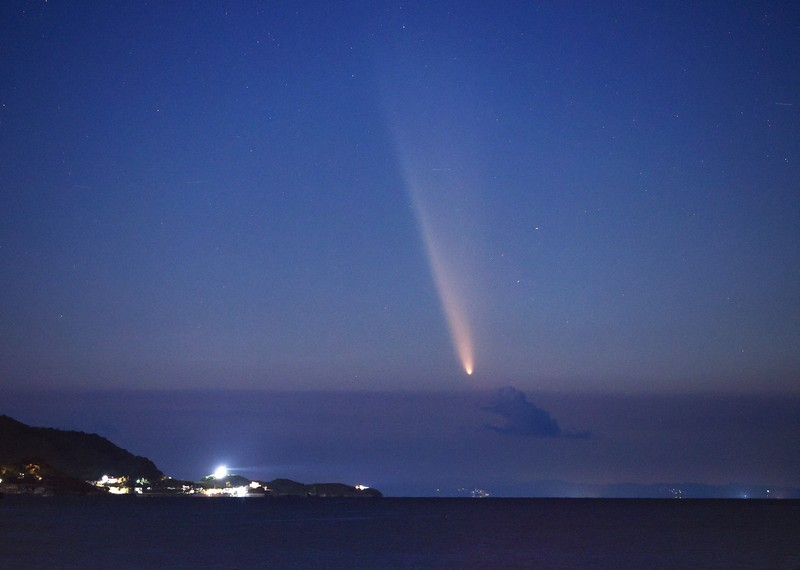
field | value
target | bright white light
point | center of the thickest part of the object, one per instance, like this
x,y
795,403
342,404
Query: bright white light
x,y
220,472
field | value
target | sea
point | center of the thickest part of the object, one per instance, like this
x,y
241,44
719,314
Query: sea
x,y
177,532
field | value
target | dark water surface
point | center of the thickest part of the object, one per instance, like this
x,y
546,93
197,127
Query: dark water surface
x,y
122,532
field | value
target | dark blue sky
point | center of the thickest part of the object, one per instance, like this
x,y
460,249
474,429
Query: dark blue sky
x,y
201,194
574,197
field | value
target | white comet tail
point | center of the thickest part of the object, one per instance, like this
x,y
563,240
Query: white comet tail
x,y
452,302
436,167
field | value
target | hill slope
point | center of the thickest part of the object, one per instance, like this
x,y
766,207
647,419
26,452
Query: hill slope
x,y
76,454
289,488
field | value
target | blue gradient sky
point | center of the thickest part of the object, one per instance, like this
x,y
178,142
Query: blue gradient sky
x,y
200,194
254,196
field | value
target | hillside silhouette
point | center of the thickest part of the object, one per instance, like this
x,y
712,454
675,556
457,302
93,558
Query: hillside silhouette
x,y
83,456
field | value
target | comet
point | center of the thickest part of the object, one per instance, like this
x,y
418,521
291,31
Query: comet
x,y
433,147
452,299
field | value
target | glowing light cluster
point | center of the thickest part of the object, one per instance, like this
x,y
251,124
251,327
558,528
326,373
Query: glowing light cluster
x,y
227,491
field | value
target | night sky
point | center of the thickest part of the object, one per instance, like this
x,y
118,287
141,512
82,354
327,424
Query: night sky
x,y
337,210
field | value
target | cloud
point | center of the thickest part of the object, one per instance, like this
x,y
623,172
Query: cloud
x,y
523,418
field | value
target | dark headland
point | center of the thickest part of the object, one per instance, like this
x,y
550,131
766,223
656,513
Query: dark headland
x,y
48,461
